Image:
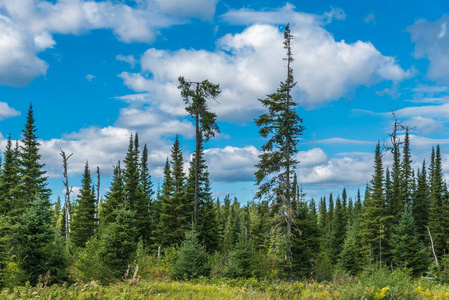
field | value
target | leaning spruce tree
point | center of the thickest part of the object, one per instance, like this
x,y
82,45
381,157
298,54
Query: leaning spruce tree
x,y
282,126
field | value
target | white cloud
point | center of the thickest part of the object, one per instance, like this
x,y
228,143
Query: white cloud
x,y
249,65
27,27
7,112
370,19
90,77
426,125
431,42
128,59
232,164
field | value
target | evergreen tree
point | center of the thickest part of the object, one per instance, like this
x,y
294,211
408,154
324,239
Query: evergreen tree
x,y
407,251
145,207
9,181
115,198
306,244
351,258
375,218
421,204
120,242
192,259
338,232
322,213
436,215
396,202
33,183
165,217
282,126
240,262
175,213
195,95
84,223
407,172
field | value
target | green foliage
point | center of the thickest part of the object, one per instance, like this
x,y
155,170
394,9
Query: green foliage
x,y
240,262
120,242
84,224
407,251
90,265
351,259
192,261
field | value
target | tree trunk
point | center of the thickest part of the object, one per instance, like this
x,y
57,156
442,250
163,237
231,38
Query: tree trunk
x,y
68,190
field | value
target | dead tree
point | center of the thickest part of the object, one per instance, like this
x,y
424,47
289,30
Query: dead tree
x,y
68,190
98,198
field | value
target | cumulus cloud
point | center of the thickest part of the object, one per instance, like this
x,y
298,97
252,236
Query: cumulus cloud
x,y
426,125
248,65
431,42
370,19
7,112
27,27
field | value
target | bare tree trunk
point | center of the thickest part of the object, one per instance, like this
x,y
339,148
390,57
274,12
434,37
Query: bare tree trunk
x,y
98,198
68,190
433,249
197,154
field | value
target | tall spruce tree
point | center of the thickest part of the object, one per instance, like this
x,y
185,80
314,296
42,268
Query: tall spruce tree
x,y
282,126
33,183
146,202
407,172
9,181
421,203
115,198
84,223
436,215
375,218
175,212
195,96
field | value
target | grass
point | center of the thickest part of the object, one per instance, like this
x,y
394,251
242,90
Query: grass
x,y
371,284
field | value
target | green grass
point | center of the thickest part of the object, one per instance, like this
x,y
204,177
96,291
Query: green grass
x,y
371,284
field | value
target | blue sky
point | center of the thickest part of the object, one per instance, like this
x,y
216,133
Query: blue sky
x,y
96,71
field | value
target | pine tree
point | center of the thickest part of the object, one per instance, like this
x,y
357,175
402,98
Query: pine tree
x,y
84,223
322,213
282,126
240,262
146,204
338,232
33,183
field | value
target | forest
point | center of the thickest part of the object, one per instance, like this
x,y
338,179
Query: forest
x,y
139,241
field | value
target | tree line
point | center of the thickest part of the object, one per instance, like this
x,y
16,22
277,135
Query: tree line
x,y
401,222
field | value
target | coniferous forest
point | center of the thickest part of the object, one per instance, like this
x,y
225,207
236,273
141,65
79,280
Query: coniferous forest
x,y
140,241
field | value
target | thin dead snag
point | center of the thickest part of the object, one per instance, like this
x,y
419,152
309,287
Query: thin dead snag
x,y
98,198
68,190
433,249
397,127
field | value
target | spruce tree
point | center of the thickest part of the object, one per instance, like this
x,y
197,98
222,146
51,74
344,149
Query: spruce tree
x,y
407,172
115,198
407,251
192,259
146,188
84,223
195,95
421,204
33,183
282,126
436,215
166,220
9,181
174,211
351,258
375,219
